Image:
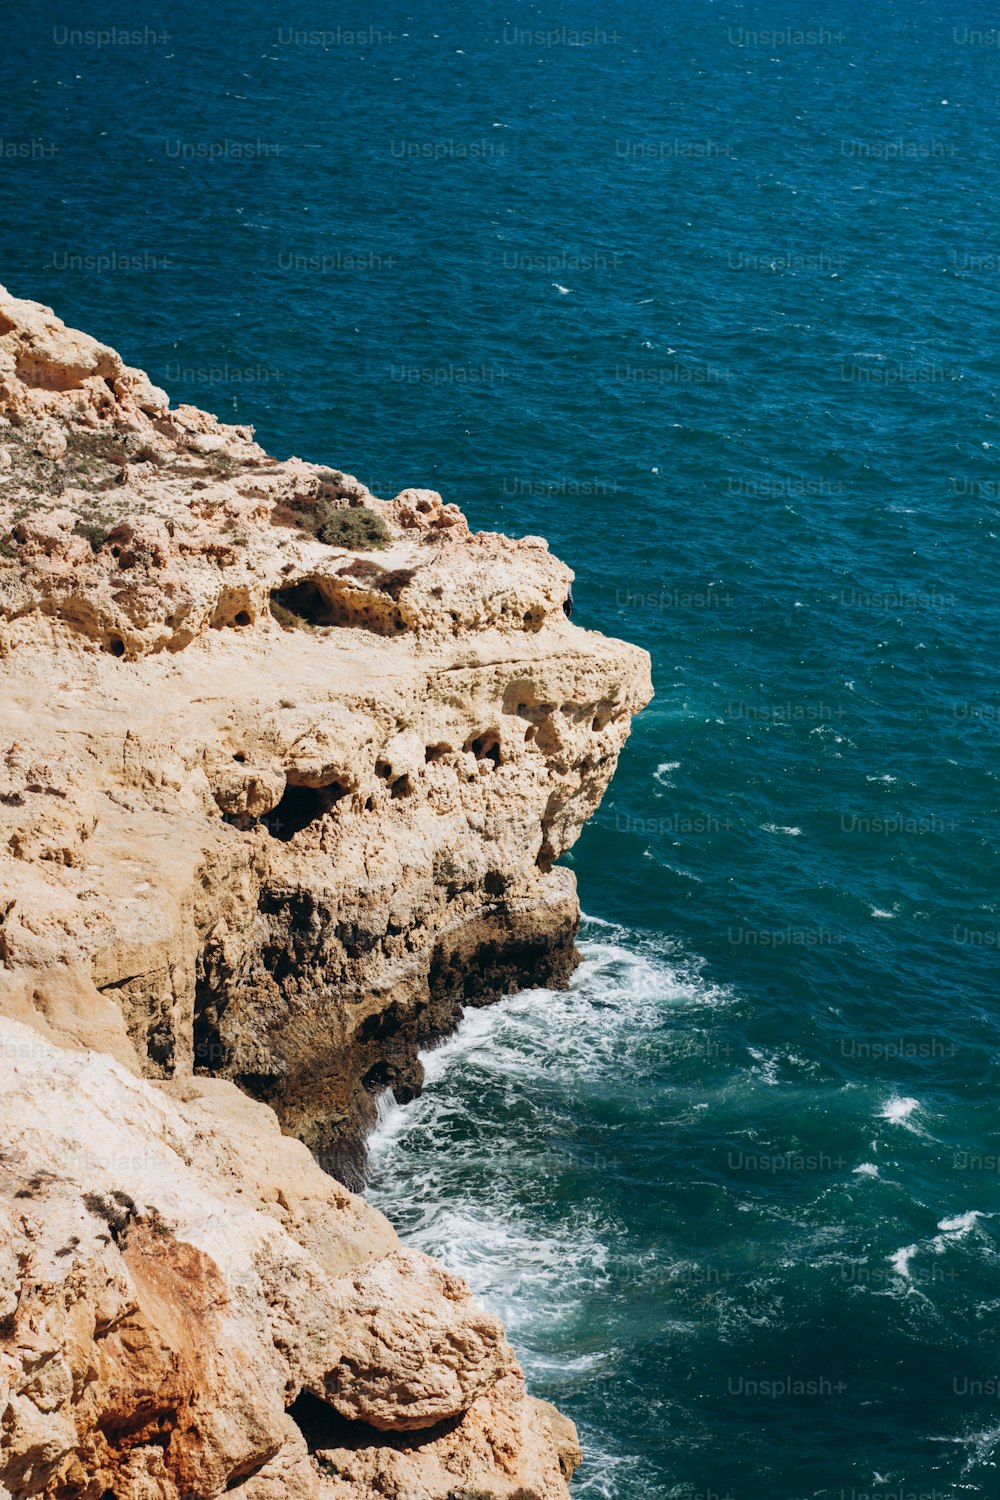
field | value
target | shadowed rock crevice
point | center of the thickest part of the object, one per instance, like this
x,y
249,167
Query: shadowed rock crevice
x,y
301,806
210,1001
322,1427
303,603
349,600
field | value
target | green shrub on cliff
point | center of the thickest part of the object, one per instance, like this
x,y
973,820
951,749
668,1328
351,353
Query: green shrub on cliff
x,y
358,529
521,1494
96,527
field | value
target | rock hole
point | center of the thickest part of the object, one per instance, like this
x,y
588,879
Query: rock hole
x,y
259,1085
302,601
378,1077
322,1427
381,1025
435,752
116,646
301,806
383,769
242,618
485,746
323,601
240,758
210,1052
401,787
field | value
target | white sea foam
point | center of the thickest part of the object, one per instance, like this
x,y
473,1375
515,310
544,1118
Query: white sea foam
x,y
980,1445
662,772
387,1111
953,1230
605,1476
962,1222
767,1068
437,1170
778,828
866,1169
900,1259
897,1111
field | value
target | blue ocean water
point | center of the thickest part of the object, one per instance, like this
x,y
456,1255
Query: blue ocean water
x,y
708,295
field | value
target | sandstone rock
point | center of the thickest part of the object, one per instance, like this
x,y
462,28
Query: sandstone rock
x,y
424,510
503,1447
271,813
288,895
51,441
564,1435
418,1350
174,1273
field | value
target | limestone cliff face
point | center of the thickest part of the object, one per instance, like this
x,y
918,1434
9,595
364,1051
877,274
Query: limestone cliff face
x,y
274,806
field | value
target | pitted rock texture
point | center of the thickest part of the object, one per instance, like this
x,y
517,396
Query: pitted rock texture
x,y
175,1274
272,811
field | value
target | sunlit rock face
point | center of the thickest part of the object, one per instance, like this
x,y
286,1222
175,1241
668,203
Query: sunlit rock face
x,y
284,772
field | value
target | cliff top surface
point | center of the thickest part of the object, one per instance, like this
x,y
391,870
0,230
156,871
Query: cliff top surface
x,y
143,526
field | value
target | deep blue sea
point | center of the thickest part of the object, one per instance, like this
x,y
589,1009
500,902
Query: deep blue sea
x,y
709,295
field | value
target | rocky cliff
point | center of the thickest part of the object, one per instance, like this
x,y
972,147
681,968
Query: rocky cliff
x,y
284,772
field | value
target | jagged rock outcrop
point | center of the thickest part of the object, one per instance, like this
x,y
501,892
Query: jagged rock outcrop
x,y
176,1274
275,803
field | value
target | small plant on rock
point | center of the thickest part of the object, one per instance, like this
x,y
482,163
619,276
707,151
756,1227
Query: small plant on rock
x,y
96,528
521,1494
358,528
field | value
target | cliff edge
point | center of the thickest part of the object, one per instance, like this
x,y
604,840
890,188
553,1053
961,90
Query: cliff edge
x,y
284,772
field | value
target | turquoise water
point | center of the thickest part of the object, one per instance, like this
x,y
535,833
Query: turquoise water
x,y
717,312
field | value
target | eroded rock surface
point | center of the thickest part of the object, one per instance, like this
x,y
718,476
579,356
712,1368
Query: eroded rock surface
x,y
175,1273
274,805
